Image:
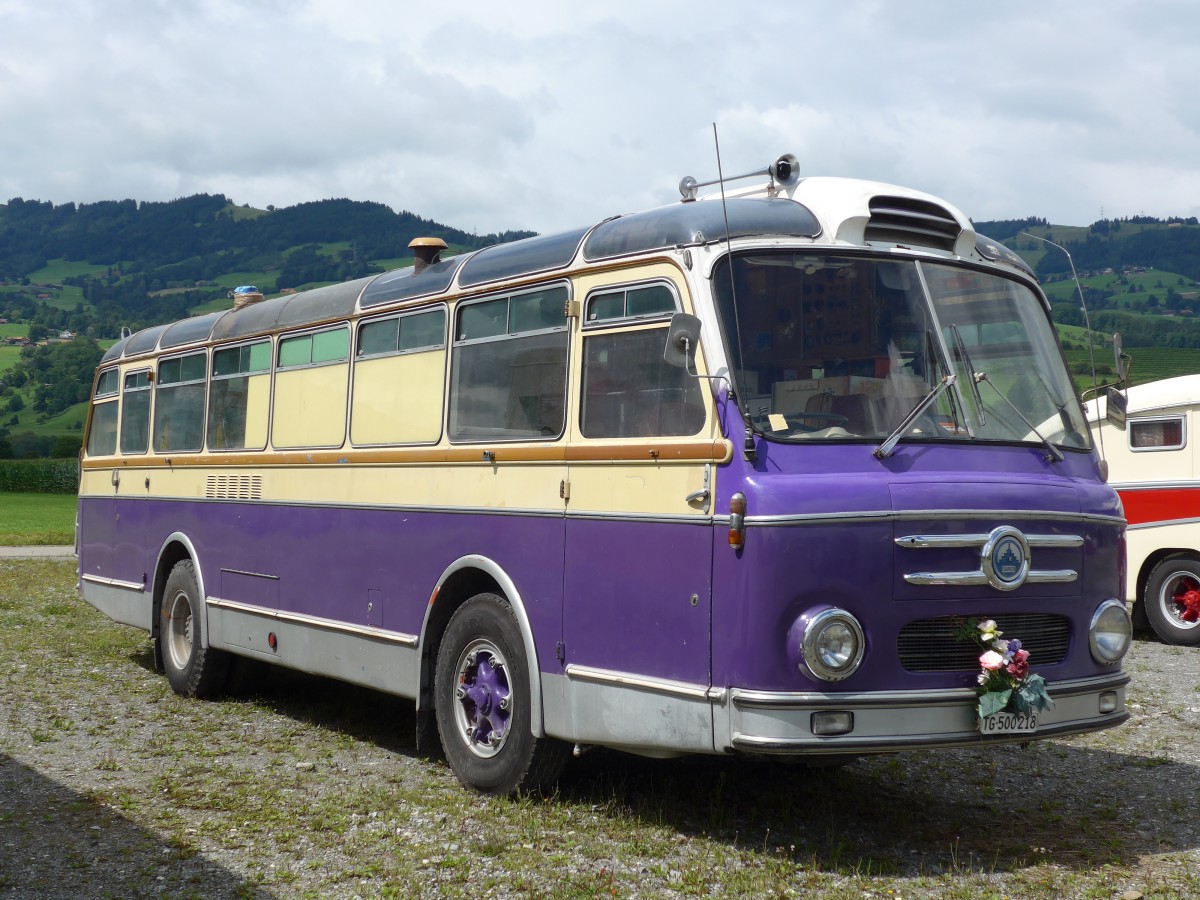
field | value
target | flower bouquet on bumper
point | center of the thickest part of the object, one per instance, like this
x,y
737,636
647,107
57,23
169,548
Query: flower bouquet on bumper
x,y
1010,696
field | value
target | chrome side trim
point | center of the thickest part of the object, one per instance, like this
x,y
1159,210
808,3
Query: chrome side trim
x,y
1154,485
379,634
115,583
908,515
814,700
932,541
251,574
1035,576
1163,523
641,682
756,744
745,699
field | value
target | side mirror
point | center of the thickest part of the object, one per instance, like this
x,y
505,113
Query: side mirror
x,y
1122,361
1114,408
682,339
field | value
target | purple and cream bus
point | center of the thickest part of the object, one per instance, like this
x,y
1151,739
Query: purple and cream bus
x,y
723,477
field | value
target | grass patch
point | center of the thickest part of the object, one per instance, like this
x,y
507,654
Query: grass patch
x,y
13,329
9,357
31,519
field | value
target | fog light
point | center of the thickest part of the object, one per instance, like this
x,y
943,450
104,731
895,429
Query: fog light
x,y
1110,633
831,723
1108,702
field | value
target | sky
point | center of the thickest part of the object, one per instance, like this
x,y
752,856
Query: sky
x,y
552,115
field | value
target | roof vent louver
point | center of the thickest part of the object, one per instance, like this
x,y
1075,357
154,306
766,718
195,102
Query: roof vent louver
x,y
919,223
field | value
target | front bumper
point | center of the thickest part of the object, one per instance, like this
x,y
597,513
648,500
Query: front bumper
x,y
887,721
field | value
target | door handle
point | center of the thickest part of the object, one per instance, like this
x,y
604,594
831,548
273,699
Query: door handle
x,y
116,479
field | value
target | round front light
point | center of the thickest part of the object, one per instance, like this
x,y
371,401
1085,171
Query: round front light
x,y
1110,632
832,645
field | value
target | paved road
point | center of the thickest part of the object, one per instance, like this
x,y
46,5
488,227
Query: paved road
x,y
65,552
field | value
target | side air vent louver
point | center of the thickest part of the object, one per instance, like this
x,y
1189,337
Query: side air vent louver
x,y
233,487
903,220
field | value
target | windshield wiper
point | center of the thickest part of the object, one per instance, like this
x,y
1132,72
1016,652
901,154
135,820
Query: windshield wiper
x,y
888,447
1054,454
975,376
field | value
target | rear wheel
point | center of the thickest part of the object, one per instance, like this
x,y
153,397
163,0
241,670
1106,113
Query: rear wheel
x,y
193,669
1172,600
482,700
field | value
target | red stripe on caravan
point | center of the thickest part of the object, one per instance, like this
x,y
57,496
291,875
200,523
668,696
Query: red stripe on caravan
x,y
1148,505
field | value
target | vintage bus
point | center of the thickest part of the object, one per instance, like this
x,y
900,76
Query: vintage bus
x,y
1154,469
722,477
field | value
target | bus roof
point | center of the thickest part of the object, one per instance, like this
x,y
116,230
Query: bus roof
x,y
854,213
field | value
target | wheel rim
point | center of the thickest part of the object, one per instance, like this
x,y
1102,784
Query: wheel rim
x,y
483,706
179,630
1171,598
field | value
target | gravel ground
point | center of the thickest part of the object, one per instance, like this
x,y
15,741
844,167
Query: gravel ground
x,y
112,786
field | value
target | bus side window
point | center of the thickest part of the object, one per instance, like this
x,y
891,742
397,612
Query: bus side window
x,y
628,388
509,368
102,435
399,379
309,408
179,403
135,418
1160,433
238,397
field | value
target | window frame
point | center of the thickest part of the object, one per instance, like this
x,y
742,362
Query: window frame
x,y
455,343
276,369
99,403
147,387
407,314
204,353
311,334
627,321
213,378
629,324
1181,418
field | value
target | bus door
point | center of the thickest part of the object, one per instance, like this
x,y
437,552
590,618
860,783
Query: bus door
x,y
131,486
636,618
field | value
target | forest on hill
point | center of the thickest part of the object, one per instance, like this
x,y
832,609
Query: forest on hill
x,y
73,275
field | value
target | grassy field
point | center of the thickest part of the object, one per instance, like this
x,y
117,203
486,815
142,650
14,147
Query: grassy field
x,y
30,519
9,357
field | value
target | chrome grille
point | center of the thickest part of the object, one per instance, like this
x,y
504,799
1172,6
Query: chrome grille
x,y
903,220
932,645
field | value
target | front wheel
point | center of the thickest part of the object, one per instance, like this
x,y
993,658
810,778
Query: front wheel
x,y
482,701
193,669
1172,600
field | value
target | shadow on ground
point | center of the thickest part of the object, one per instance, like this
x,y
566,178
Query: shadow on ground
x,y
57,843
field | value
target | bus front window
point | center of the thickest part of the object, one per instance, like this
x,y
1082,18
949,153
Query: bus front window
x,y
829,347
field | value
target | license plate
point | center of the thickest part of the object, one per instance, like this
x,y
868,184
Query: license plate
x,y
1009,723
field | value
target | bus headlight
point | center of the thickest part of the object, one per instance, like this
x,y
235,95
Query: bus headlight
x,y
1110,632
830,643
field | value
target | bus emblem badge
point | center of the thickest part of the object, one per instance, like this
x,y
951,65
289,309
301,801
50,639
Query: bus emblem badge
x,y
1005,558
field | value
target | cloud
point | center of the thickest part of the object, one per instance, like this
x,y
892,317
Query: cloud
x,y
545,116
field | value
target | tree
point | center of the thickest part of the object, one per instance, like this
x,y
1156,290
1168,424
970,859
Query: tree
x,y
15,403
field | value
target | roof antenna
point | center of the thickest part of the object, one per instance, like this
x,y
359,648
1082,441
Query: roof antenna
x,y
1091,352
749,449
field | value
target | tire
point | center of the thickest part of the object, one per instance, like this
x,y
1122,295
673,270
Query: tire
x,y
1169,580
193,669
482,702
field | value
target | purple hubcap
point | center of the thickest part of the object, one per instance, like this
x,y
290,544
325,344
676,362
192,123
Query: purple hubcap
x,y
484,707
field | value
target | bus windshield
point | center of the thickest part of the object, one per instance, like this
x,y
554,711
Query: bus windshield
x,y
827,347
